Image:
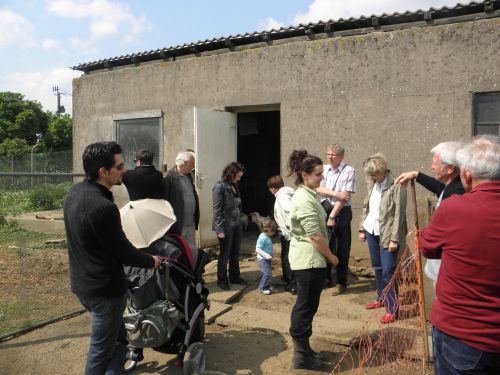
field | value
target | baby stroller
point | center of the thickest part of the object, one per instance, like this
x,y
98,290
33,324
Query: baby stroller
x,y
165,307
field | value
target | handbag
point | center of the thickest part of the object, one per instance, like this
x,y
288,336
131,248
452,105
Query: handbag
x,y
152,326
327,206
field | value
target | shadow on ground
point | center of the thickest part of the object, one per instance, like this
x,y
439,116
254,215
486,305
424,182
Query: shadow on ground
x,y
244,353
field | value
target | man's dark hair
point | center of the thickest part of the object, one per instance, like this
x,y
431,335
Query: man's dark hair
x,y
98,155
144,156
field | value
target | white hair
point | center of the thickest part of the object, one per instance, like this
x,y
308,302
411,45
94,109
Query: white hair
x,y
447,152
183,157
481,157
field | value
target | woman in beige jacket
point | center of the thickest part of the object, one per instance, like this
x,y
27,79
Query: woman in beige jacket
x,y
383,226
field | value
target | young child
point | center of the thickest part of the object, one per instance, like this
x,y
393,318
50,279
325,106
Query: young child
x,y
264,249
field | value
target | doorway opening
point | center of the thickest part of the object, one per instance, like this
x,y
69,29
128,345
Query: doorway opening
x,y
258,145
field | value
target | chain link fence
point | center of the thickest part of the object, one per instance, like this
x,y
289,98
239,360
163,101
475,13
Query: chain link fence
x,y
47,167
34,282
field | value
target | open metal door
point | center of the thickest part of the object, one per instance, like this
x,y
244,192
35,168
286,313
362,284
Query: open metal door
x,y
215,147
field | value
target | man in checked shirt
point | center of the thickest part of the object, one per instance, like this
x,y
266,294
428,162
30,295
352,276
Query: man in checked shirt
x,y
339,182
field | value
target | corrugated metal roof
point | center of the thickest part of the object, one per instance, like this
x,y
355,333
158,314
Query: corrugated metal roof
x,y
485,9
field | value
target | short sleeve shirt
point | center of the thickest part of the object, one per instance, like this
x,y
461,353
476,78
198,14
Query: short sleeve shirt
x,y
341,179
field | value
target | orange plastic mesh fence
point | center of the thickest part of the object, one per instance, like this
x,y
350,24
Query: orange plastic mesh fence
x,y
397,347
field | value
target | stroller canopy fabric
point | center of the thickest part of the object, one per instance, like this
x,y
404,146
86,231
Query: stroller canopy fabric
x,y
146,220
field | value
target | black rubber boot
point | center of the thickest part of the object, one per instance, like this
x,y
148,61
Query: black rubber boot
x,y
304,359
315,354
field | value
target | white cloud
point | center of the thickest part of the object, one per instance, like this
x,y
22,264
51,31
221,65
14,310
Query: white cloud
x,y
38,86
323,10
48,44
15,29
268,24
107,18
84,47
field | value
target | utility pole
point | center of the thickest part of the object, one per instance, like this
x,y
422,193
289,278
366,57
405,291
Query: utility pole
x,y
60,108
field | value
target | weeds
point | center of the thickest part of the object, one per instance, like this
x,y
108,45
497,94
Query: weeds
x,y
41,198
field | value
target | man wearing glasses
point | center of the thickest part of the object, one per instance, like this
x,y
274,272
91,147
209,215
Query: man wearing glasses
x,y
339,182
98,250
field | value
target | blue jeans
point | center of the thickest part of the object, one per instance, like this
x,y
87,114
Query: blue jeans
x,y
265,267
108,340
384,265
453,357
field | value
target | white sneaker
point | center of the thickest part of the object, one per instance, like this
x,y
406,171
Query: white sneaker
x,y
266,292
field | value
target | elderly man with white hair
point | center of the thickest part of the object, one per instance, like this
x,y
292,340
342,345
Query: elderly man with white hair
x,y
465,233
447,182
181,194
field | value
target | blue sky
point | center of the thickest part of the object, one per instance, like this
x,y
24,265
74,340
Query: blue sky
x,y
41,39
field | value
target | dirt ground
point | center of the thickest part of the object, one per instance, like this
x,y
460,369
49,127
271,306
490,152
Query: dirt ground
x,y
234,344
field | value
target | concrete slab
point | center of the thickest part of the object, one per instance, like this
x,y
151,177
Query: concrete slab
x,y
337,331
225,296
42,222
248,270
216,309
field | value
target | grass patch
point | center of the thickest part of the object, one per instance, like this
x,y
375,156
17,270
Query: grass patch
x,y
41,198
12,235
34,279
21,313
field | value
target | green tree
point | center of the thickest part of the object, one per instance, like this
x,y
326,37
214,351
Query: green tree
x,y
20,118
13,147
58,136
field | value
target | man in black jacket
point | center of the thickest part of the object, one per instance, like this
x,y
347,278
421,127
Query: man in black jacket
x,y
145,181
98,249
181,194
447,182
446,169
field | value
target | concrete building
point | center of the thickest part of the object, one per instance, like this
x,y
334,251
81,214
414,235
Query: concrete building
x,y
397,83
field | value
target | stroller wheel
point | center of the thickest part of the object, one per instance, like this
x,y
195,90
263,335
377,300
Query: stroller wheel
x,y
195,359
129,366
132,358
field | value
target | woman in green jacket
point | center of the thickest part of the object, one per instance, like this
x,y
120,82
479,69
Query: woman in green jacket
x,y
308,254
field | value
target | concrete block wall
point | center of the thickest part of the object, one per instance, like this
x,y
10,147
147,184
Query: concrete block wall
x,y
399,92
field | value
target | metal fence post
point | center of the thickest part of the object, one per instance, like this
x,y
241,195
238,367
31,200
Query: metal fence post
x,y
33,164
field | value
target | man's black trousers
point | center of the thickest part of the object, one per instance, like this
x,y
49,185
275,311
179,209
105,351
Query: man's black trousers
x,y
288,276
340,245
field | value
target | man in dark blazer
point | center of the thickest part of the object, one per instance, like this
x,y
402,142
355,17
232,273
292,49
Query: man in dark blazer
x,y
145,181
446,169
181,194
447,183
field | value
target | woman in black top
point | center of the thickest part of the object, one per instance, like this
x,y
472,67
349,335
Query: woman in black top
x,y
227,224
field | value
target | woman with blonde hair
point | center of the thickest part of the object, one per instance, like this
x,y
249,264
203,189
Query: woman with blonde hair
x,y
383,226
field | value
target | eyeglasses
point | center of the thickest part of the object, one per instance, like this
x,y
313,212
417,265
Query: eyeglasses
x,y
119,166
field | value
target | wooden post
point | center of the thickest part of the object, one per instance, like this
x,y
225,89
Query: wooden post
x,y
421,298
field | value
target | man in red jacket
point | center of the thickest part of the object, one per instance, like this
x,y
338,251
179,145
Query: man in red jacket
x,y
465,233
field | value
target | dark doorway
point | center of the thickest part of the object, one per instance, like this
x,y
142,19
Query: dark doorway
x,y
259,151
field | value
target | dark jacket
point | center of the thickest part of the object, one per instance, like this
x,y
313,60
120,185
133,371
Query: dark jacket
x,y
173,194
433,185
145,181
97,246
224,205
